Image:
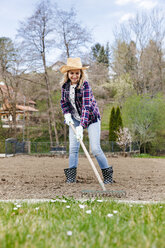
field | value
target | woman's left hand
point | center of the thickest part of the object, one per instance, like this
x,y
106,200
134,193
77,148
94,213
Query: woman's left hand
x,y
79,133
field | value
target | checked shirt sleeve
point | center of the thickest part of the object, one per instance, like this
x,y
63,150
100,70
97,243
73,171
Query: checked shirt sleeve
x,y
85,105
64,103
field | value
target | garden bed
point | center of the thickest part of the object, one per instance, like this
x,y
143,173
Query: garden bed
x,y
25,177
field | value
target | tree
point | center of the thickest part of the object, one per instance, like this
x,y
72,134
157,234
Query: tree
x,y
36,34
124,59
119,122
123,138
72,35
10,69
143,59
140,114
120,51
7,53
151,68
115,123
112,126
121,87
101,54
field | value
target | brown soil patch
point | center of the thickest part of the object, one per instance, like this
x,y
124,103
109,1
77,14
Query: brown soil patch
x,y
23,177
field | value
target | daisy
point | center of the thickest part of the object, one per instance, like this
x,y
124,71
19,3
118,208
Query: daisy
x,y
109,215
88,211
69,233
81,206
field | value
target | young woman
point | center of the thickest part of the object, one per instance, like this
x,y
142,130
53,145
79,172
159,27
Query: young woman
x,y
80,108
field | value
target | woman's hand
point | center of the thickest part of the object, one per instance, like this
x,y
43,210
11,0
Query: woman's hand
x,y
79,133
68,119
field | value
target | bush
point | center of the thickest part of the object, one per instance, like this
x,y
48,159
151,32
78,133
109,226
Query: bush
x,y
144,116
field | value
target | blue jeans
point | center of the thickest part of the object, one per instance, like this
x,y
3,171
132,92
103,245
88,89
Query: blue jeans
x,y
94,140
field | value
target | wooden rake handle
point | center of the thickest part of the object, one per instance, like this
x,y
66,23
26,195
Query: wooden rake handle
x,y
90,160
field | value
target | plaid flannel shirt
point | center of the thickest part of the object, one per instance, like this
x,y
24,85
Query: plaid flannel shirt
x,y
85,103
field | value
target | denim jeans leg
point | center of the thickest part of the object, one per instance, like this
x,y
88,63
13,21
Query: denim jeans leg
x,y
74,146
94,139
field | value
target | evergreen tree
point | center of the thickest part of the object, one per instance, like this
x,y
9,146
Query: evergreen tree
x,y
115,123
119,123
112,125
96,50
101,54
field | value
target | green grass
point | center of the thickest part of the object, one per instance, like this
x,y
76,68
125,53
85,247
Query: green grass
x,y
144,155
106,116
46,225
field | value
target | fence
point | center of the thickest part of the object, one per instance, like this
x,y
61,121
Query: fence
x,y
48,148
12,146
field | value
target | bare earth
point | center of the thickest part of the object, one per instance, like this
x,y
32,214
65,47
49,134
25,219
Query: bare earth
x,y
24,177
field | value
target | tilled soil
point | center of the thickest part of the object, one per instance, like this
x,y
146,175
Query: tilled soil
x,y
30,177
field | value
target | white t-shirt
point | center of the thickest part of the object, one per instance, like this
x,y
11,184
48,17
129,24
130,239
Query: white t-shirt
x,y
72,100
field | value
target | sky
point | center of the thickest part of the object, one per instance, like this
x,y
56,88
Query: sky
x,y
100,16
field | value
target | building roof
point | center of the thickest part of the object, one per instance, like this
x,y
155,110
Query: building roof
x,y
6,90
26,108
56,66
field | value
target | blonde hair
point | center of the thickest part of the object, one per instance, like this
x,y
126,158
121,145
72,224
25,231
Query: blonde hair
x,y
83,78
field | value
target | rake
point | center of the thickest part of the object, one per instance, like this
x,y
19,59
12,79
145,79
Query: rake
x,y
103,192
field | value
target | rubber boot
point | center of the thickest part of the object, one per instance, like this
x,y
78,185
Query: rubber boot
x,y
108,175
70,174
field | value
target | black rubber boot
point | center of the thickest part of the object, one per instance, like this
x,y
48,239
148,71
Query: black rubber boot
x,y
70,174
108,175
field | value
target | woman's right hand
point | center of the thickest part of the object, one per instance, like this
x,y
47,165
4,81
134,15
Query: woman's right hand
x,y
68,119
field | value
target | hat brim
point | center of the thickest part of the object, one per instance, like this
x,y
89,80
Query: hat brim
x,y
66,68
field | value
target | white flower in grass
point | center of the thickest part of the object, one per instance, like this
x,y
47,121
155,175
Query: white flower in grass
x,y
81,206
161,207
69,233
64,201
88,211
109,215
99,200
15,208
115,211
18,206
37,208
53,200
67,206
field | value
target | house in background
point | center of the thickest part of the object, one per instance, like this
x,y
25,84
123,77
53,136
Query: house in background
x,y
24,108
56,66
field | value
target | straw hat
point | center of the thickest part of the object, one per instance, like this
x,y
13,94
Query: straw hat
x,y
73,64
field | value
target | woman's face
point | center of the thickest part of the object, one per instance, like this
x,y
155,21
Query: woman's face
x,y
74,76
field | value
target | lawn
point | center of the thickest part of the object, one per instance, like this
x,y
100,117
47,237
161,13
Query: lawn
x,y
69,223
106,117
144,155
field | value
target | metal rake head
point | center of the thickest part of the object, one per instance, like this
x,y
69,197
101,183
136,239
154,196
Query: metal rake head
x,y
106,193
